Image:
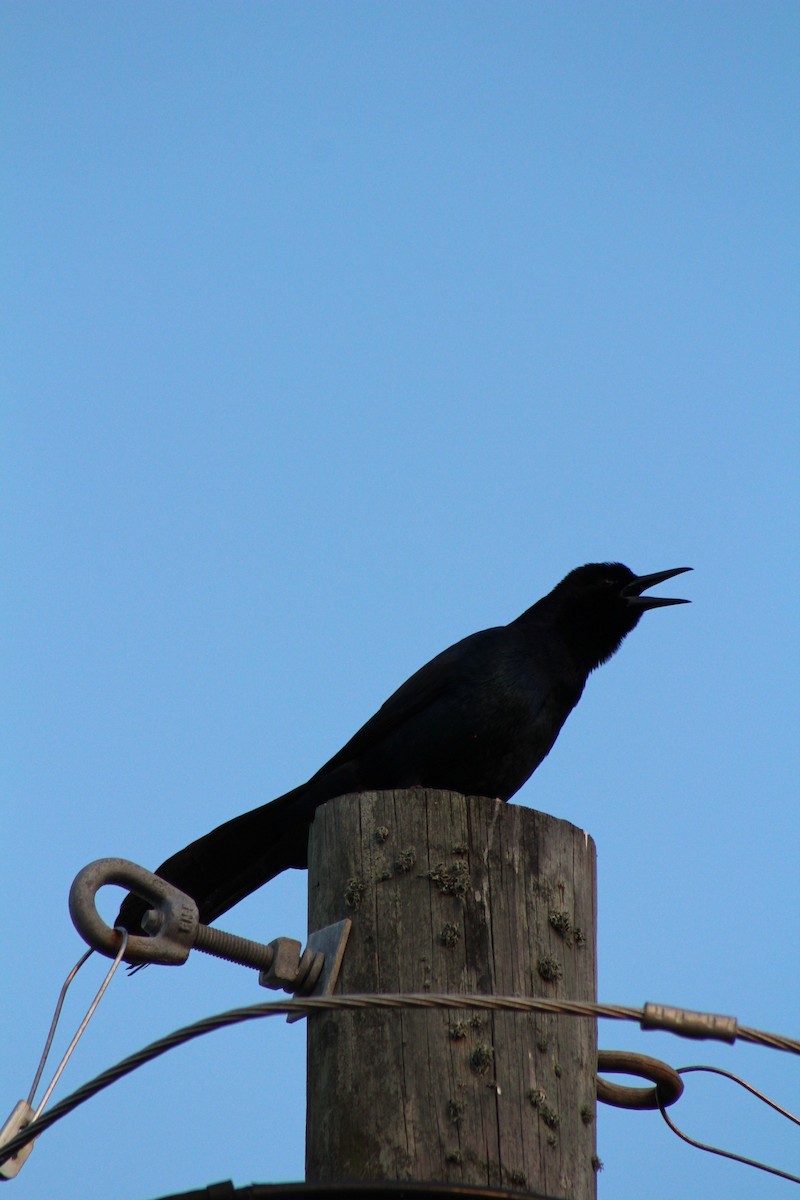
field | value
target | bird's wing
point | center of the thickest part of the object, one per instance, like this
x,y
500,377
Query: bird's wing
x,y
420,691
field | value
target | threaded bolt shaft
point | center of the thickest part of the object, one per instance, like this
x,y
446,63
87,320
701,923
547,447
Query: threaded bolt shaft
x,y
233,948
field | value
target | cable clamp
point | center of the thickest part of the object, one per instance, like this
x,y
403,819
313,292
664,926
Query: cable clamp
x,y
21,1116
689,1024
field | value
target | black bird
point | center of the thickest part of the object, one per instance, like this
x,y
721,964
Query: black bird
x,y
477,719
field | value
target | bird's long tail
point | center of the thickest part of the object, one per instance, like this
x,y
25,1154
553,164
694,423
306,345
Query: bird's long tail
x,y
227,864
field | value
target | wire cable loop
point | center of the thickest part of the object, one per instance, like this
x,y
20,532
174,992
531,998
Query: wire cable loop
x,y
53,1024
14,1150
740,1158
784,1112
82,1027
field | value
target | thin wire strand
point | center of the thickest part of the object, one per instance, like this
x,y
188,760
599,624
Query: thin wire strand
x,y
84,1022
784,1112
311,1004
740,1158
54,1023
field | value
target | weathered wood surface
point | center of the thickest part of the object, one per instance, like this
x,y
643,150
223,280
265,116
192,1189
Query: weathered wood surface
x,y
457,895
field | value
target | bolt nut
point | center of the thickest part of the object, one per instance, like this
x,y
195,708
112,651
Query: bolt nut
x,y
282,972
152,921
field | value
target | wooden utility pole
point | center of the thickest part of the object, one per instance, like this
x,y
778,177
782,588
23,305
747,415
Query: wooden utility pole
x,y
456,895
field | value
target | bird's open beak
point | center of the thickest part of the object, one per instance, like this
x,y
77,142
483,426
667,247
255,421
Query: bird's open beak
x,y
632,592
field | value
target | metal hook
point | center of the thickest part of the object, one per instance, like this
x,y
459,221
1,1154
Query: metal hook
x,y
178,917
173,929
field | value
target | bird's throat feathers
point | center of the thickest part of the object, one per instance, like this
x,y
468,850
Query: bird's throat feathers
x,y
589,616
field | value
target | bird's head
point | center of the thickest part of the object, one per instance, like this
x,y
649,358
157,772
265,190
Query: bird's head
x,y
598,605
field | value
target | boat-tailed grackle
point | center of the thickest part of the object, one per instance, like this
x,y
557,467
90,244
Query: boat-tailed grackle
x,y
477,719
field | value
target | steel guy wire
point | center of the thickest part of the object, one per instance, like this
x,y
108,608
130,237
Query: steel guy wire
x,y
309,1005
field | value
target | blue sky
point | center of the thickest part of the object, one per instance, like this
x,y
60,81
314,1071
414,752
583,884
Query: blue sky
x,y
335,332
